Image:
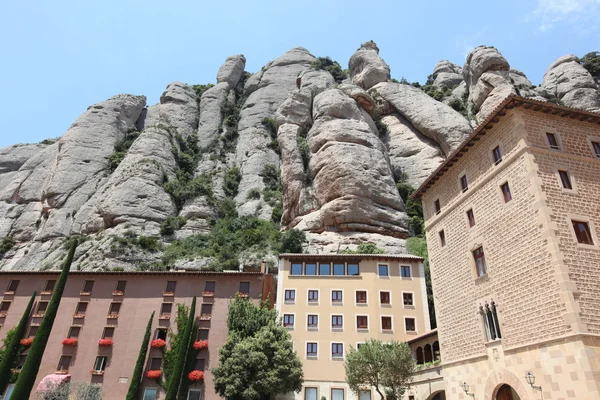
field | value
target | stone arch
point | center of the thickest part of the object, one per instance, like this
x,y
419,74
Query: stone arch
x,y
428,353
436,351
501,377
438,395
419,355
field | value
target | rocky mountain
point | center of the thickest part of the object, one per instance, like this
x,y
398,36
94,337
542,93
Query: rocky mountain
x,y
300,144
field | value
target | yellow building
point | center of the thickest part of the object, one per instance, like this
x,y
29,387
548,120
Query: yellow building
x,y
511,224
330,302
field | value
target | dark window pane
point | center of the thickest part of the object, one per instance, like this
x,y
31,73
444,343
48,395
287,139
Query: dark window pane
x,y
565,179
384,297
582,230
171,286
497,153
121,286
245,287
88,286
12,286
553,141
155,363
405,271
410,324
74,332
382,270
49,286
471,218
506,192
436,206
353,269
442,238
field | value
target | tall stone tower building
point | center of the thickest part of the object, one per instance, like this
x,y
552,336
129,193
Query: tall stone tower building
x,y
512,219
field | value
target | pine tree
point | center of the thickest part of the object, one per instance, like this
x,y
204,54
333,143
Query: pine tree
x,y
184,347
13,347
134,387
26,379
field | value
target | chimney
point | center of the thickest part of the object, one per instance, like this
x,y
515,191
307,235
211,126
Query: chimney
x,y
263,267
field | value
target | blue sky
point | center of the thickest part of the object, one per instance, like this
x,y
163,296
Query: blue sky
x,y
60,57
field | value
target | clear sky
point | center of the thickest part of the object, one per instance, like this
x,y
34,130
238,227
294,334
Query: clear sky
x,y
59,57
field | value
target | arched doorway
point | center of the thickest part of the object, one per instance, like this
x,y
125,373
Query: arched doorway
x,y
507,393
419,355
441,395
428,353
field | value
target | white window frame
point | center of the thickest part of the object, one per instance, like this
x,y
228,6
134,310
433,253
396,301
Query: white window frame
x,y
361,304
413,299
356,323
379,299
306,356
313,303
416,331
388,331
103,364
318,322
331,328
289,301
283,321
341,303
331,357
410,268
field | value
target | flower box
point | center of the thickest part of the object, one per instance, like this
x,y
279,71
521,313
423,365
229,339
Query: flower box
x,y
164,316
168,294
97,373
204,317
105,342
27,341
153,374
117,293
208,294
200,344
80,315
112,316
196,376
243,295
46,292
70,341
158,344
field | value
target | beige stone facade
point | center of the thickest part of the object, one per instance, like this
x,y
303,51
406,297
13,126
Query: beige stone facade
x,y
359,305
543,279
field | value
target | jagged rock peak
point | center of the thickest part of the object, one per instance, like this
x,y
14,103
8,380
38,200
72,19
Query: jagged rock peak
x,y
483,59
367,68
232,70
447,74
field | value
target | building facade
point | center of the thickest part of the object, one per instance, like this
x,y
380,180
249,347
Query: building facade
x,y
331,302
511,224
113,308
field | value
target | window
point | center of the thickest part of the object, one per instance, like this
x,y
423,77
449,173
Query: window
x,y
310,269
407,298
21,362
100,363
596,147
436,206
361,297
245,288
108,333
41,308
337,322
490,321
155,363
313,296
161,333
471,218
121,286
382,270
33,330
200,364
170,287
64,363
81,308
480,265
409,324
336,296
364,395
386,323
5,305
12,286
74,332
194,394
552,141
311,349
497,154
565,180
506,192
9,391
339,269
337,394
405,271
49,286
325,269
206,310
87,287
209,287
313,321
362,322
288,320
165,309
296,269
353,269
150,393
290,296
310,393
384,297
114,309
464,184
337,350
583,233
442,238
202,334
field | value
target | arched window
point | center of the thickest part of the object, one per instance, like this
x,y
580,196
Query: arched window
x,y
419,355
490,321
428,353
436,351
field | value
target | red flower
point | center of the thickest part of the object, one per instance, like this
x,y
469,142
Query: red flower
x,y
158,344
70,341
200,344
105,342
27,341
153,374
196,376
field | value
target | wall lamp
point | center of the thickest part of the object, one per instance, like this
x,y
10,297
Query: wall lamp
x,y
465,387
530,378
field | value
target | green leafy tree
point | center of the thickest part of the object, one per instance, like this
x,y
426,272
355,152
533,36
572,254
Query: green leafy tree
x,y
11,355
258,359
292,241
591,62
136,378
364,248
386,366
26,379
181,361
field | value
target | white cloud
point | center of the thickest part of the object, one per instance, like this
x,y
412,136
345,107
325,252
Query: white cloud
x,y
574,12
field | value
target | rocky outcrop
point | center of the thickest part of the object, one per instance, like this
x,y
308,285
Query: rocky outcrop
x,y
367,68
447,74
567,80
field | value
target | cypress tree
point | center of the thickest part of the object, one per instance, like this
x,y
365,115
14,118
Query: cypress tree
x,y
184,347
13,347
134,387
26,379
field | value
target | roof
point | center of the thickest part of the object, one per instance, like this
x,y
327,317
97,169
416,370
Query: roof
x,y
510,102
423,336
295,256
137,273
